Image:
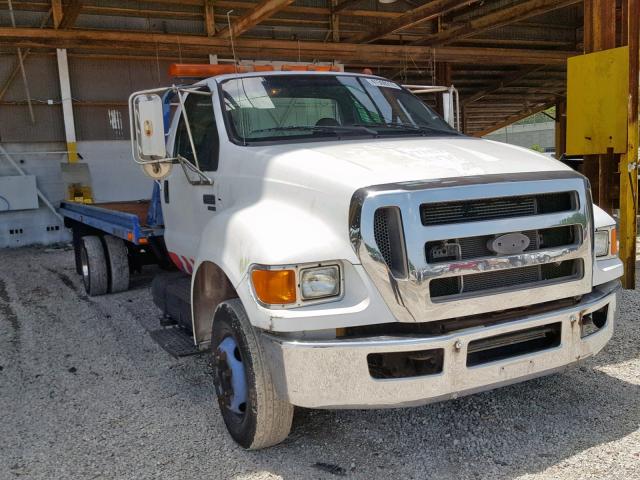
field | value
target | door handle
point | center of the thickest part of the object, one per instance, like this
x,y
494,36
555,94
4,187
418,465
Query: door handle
x,y
209,199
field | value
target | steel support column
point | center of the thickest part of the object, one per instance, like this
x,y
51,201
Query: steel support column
x,y
67,107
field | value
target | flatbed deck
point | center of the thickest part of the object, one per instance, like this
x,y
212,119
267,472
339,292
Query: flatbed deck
x,y
126,220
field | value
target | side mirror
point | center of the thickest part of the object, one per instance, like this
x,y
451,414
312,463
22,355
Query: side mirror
x,y
147,128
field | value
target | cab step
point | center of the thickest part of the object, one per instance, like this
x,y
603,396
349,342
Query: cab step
x,y
177,341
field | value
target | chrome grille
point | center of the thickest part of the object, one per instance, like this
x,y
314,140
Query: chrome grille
x,y
393,227
492,208
476,247
504,279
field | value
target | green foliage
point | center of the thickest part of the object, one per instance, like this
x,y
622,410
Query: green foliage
x,y
537,148
539,117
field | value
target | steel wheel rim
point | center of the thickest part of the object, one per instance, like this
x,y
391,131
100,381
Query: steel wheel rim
x,y
231,382
84,262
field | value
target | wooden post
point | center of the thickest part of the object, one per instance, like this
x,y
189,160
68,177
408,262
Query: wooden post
x,y
209,18
56,12
590,166
606,176
629,160
561,128
335,22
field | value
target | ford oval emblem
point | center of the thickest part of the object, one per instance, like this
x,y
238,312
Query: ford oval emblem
x,y
509,244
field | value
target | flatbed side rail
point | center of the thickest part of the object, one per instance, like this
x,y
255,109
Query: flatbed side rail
x,y
119,224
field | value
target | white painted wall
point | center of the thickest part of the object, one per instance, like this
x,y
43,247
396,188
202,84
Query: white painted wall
x,y
114,177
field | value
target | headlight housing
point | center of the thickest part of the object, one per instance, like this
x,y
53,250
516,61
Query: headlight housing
x,y
291,286
605,242
319,282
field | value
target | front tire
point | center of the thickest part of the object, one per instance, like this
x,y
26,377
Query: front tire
x,y
252,411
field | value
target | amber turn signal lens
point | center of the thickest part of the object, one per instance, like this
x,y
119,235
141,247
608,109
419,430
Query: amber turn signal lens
x,y
275,286
613,241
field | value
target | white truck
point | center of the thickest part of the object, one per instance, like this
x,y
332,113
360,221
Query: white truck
x,y
343,247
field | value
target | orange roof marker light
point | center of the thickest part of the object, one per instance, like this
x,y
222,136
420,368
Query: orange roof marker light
x,y
204,70
309,68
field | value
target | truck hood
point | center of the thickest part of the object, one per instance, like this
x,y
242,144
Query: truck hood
x,y
361,163
297,196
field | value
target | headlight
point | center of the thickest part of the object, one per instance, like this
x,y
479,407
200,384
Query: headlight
x,y
320,282
605,242
601,243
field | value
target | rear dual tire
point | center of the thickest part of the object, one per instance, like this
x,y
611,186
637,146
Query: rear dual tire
x,y
118,260
104,264
93,264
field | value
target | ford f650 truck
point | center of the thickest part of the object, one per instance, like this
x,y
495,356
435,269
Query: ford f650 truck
x,y
341,246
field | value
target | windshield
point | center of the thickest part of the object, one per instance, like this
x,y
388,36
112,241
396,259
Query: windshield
x,y
308,107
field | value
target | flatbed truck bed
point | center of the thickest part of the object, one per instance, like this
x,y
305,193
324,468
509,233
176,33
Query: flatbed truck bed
x,y
125,220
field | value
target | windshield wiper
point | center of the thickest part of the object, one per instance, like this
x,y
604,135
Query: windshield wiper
x,y
334,129
413,128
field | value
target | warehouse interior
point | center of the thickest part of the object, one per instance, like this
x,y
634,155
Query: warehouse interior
x,y
68,67
131,347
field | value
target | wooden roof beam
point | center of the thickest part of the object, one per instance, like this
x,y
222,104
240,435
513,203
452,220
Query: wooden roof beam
x,y
139,42
260,12
502,83
186,9
495,19
428,11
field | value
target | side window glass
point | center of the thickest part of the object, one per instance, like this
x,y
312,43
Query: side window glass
x,y
199,110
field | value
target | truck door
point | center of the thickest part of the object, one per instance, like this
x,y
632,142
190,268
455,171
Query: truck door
x,y
187,207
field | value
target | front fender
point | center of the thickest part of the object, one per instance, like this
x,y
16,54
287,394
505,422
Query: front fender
x,y
271,233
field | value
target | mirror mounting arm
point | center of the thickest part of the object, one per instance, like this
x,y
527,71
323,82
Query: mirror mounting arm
x,y
188,166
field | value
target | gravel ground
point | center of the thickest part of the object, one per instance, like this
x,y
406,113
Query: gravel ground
x,y
85,393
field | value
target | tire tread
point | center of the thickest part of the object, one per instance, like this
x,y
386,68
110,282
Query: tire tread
x,y
118,261
98,276
273,415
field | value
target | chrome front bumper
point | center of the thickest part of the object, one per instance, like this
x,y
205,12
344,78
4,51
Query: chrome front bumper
x,y
335,373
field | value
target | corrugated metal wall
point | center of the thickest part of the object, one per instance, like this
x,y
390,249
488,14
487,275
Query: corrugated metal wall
x,y
99,86
100,89
15,123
